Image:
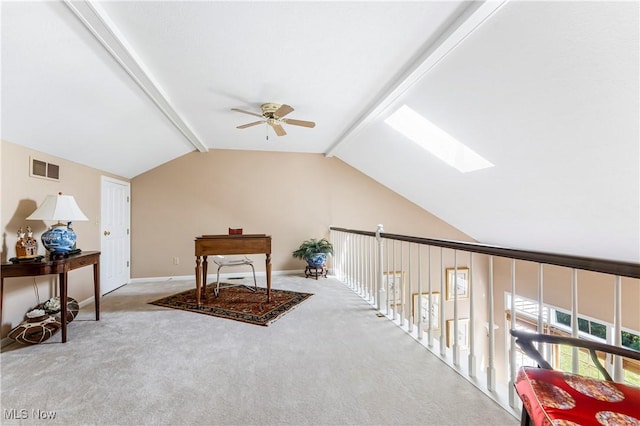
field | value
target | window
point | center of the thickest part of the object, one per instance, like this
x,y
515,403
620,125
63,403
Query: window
x,y
631,367
522,360
592,328
564,355
438,142
630,340
558,321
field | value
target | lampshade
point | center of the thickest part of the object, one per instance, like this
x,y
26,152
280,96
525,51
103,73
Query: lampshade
x,y
58,207
60,239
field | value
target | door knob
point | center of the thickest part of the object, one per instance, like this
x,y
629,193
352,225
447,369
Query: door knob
x,y
107,233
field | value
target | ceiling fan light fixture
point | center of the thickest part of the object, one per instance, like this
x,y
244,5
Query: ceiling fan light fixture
x,y
272,115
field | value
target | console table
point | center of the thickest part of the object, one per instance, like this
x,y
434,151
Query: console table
x,y
59,266
207,245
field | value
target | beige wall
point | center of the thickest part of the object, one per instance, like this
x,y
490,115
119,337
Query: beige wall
x,y
21,194
290,196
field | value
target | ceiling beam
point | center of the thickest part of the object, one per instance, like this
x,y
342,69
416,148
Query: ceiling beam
x,y
468,21
99,24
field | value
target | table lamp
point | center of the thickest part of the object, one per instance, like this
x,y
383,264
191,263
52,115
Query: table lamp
x,y
60,239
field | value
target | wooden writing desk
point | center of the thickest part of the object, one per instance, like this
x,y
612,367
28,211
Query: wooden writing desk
x,y
229,244
61,267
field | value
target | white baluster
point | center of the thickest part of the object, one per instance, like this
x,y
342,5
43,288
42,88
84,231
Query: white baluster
x,y
401,284
381,292
409,290
443,342
472,335
455,345
491,369
575,352
431,325
618,372
513,397
419,307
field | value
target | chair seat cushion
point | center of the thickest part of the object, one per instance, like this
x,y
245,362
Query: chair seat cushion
x,y
234,262
223,261
558,398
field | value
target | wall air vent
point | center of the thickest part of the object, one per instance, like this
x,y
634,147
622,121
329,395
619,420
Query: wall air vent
x,y
42,169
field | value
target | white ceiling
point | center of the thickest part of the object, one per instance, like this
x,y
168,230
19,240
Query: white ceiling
x,y
546,91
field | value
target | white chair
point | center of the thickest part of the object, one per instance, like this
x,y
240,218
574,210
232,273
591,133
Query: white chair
x,y
222,261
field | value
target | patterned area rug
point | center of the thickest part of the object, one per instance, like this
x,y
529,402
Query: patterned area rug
x,y
237,303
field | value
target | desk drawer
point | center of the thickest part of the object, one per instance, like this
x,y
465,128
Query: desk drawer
x,y
206,247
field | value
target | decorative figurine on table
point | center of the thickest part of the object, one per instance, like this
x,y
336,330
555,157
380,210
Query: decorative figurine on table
x,y
26,246
31,244
20,244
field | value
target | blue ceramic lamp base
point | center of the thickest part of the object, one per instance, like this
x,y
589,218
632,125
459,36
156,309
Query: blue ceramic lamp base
x,y
60,239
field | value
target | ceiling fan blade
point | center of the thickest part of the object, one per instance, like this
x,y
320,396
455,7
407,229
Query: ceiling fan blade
x,y
300,122
255,123
279,130
282,111
246,112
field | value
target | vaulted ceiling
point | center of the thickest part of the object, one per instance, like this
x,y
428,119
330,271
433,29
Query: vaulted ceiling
x,y
546,91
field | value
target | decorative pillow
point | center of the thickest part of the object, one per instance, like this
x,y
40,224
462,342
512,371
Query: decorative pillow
x,y
35,330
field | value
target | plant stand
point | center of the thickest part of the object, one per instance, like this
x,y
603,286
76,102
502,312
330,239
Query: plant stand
x,y
313,271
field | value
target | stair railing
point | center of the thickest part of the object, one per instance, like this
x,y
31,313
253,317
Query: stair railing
x,y
446,294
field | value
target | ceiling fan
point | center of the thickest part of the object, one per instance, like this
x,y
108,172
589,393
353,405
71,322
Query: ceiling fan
x,y
273,114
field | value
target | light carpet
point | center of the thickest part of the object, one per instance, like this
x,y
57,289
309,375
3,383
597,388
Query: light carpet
x,y
331,361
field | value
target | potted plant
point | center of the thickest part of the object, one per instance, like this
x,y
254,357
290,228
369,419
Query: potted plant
x,y
314,252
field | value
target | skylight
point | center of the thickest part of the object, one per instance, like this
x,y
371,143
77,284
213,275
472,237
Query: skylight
x,y
436,141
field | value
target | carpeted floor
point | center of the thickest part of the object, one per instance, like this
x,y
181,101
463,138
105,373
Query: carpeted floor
x,y
330,361
242,303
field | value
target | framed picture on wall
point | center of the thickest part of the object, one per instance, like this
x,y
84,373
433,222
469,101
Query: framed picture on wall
x,y
463,333
422,310
396,284
460,279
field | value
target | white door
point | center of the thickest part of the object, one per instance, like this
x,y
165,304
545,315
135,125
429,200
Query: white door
x,y
115,236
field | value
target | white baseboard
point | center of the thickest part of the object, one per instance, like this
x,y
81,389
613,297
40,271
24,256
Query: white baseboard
x,y
87,301
210,277
213,276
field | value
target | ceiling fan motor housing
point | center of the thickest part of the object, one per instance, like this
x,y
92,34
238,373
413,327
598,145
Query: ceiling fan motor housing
x,y
269,109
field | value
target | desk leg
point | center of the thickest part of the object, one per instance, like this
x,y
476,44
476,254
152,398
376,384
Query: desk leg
x,y
205,266
63,304
268,267
96,288
198,279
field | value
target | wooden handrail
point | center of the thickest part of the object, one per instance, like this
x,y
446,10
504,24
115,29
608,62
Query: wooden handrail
x,y
606,266
572,341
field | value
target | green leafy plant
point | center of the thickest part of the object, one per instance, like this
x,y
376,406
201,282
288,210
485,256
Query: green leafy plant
x,y
312,247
